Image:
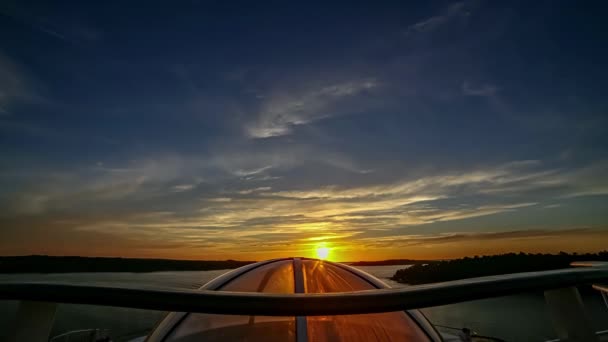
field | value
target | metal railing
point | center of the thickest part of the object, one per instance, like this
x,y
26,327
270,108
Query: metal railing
x,y
338,303
39,300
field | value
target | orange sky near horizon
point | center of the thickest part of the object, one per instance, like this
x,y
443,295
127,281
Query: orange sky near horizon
x,y
583,241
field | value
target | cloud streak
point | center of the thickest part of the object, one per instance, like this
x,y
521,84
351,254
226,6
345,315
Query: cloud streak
x,y
482,90
459,237
14,85
430,24
283,111
219,216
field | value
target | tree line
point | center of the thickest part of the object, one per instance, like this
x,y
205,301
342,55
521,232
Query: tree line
x,y
76,264
480,266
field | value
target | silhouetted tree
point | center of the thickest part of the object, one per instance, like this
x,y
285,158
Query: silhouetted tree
x,y
74,264
490,265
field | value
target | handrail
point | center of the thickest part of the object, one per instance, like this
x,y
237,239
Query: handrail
x,y
589,264
600,287
603,290
599,334
247,303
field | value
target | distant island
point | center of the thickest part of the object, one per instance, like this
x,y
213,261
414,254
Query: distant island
x,y
75,264
490,265
390,262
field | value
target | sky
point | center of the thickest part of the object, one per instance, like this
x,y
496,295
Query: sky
x,y
376,130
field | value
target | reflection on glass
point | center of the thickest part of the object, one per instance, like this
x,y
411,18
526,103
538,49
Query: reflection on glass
x,y
276,277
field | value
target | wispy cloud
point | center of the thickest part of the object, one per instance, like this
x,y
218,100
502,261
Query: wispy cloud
x,y
264,162
480,90
42,191
456,237
164,209
4,112
454,11
497,178
65,29
15,86
395,201
281,112
35,24
251,172
183,187
259,189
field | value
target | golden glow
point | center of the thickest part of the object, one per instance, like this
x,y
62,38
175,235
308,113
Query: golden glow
x,y
322,253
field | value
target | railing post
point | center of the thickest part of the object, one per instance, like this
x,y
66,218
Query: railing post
x,y
603,289
34,321
570,319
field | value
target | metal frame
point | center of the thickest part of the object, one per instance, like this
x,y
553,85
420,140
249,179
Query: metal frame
x,y
604,291
300,287
337,303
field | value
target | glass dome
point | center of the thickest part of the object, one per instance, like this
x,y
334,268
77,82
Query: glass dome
x,y
293,275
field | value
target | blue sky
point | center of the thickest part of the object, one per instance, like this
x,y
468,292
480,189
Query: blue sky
x,y
212,129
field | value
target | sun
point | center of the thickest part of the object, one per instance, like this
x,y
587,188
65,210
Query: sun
x,y
322,253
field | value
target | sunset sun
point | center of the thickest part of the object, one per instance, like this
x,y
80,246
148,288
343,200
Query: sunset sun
x,y
322,253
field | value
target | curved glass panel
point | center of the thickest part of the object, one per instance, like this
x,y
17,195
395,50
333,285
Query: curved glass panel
x,y
276,277
388,326
206,327
322,277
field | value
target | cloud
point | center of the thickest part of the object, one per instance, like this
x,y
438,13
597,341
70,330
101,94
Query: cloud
x,y
281,112
430,24
183,187
481,90
266,161
151,200
498,177
459,237
14,85
585,180
251,172
27,19
249,161
52,33
68,29
39,190
259,189
504,187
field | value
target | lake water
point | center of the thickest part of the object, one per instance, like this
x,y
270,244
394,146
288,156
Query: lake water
x,y
513,318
